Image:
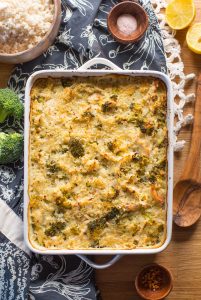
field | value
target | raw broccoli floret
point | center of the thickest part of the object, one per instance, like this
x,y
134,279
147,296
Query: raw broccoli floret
x,y
10,105
11,147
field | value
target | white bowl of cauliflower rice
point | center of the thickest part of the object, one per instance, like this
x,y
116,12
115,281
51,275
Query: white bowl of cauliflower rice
x,y
27,28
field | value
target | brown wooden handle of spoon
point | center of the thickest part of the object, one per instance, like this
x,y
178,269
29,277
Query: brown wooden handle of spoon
x,y
192,168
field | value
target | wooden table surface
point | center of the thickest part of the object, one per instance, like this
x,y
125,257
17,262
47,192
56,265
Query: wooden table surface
x,y
183,256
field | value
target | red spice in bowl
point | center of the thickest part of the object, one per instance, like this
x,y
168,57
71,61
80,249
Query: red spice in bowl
x,y
154,282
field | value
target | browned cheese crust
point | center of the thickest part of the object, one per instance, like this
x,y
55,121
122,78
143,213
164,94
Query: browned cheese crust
x,y
98,163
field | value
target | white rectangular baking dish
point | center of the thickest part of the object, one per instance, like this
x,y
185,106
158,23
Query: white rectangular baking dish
x,y
170,117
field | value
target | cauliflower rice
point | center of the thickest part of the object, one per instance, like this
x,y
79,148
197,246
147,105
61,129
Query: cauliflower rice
x,y
23,23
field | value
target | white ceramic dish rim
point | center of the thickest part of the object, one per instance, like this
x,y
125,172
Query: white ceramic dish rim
x,y
170,120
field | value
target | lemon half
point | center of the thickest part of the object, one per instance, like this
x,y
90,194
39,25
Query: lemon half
x,y
180,13
193,38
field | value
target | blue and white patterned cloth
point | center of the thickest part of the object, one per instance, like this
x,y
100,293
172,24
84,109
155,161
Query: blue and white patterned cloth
x,y
82,36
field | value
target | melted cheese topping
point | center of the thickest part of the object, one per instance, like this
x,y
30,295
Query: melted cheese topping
x,y
97,163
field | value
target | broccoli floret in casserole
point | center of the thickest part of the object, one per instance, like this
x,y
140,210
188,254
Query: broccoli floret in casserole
x,y
114,97
111,146
100,223
141,159
112,214
52,167
96,225
108,107
88,114
76,148
10,105
62,206
55,228
11,147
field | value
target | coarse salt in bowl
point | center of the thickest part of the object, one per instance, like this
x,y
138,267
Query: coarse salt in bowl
x,y
127,22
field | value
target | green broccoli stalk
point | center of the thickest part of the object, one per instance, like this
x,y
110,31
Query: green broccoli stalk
x,y
10,105
11,147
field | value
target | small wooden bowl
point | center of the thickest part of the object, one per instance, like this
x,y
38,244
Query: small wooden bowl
x,y
42,46
165,286
132,8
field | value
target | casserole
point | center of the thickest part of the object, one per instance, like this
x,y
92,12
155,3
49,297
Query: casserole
x,y
80,73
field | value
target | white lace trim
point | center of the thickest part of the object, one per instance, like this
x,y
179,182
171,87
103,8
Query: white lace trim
x,y
176,72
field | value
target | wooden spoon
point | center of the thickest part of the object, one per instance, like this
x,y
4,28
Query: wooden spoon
x,y
187,192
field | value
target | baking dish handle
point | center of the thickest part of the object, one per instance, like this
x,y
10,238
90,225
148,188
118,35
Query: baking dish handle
x,y
99,60
100,266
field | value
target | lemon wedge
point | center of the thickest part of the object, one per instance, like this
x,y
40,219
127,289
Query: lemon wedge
x,y
193,38
180,13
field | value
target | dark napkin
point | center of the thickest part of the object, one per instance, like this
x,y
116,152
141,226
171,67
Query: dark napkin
x,y
83,35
